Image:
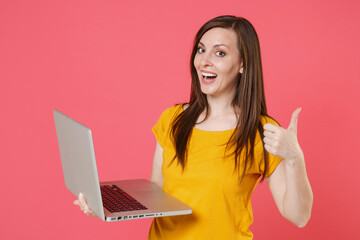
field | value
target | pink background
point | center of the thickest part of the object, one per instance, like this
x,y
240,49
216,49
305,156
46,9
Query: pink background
x,y
116,65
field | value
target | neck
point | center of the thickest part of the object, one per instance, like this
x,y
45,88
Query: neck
x,y
220,105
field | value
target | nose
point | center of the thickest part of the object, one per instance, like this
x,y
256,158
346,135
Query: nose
x,y
206,60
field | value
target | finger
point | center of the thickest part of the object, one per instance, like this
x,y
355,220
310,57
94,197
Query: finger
x,y
77,203
269,134
271,127
82,198
268,148
86,208
294,119
82,201
90,213
268,141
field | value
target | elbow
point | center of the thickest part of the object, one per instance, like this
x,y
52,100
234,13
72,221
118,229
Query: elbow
x,y
301,225
305,216
299,218
302,221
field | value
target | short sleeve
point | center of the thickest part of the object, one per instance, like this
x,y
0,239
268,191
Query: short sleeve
x,y
162,127
273,161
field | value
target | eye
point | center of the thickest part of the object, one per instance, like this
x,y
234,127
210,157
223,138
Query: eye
x,y
200,50
220,53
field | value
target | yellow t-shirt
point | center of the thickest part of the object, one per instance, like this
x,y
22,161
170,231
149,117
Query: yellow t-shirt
x,y
209,185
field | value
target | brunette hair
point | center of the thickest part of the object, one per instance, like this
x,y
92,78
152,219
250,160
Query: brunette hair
x,y
249,97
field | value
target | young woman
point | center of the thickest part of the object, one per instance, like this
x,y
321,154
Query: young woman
x,y
212,151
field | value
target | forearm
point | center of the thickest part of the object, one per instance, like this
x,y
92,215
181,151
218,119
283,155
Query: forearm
x,y
298,197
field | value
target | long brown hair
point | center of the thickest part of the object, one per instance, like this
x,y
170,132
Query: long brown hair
x,y
249,96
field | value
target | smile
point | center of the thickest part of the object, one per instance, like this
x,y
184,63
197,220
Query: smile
x,y
208,77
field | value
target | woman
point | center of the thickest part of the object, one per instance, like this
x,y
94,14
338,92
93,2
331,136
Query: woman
x,y
212,151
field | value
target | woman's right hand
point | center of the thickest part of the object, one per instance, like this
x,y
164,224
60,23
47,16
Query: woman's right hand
x,y
81,202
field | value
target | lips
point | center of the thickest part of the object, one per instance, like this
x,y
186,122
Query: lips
x,y
208,77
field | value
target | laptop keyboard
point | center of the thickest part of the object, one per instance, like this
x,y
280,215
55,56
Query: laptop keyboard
x,y
116,200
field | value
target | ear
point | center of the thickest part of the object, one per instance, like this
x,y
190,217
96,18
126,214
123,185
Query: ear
x,y
241,69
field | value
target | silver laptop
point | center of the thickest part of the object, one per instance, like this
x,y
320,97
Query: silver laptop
x,y
113,200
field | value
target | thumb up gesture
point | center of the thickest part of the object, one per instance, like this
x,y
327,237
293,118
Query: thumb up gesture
x,y
283,142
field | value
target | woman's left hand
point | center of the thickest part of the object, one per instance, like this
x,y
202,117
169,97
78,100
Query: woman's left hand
x,y
283,142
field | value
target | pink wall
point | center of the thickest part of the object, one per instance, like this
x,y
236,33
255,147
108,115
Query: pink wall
x,y
116,65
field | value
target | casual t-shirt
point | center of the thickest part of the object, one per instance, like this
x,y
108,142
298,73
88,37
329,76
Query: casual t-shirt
x,y
209,185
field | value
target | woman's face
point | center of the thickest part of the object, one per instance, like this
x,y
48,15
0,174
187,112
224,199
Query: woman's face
x,y
217,62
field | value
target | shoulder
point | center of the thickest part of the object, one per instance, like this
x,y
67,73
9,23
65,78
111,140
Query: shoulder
x,y
169,114
164,123
172,111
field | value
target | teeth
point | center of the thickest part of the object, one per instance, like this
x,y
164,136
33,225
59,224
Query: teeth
x,y
208,74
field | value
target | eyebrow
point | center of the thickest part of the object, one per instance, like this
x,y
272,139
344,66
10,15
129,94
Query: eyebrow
x,y
216,45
